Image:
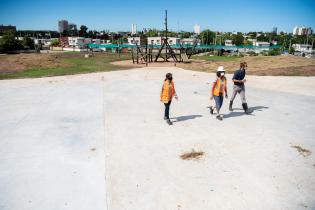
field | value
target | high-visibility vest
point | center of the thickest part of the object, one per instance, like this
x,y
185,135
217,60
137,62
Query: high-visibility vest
x,y
168,91
217,85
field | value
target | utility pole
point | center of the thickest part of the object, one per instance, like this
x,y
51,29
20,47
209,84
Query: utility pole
x,y
165,41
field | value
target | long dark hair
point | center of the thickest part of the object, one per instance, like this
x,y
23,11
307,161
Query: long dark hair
x,y
168,76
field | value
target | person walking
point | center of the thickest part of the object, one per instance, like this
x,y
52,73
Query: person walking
x,y
239,87
167,94
219,89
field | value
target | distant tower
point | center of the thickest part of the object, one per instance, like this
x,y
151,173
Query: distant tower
x,y
197,29
63,25
295,30
274,30
133,29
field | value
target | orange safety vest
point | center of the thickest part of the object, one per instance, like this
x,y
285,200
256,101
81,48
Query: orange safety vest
x,y
217,85
168,91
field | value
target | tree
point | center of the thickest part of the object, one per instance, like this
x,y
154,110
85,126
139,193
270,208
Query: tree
x,y
152,33
247,43
83,31
9,43
207,36
238,39
28,43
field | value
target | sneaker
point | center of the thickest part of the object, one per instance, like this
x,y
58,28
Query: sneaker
x,y
211,110
169,122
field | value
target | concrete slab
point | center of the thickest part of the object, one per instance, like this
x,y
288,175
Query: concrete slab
x,y
99,141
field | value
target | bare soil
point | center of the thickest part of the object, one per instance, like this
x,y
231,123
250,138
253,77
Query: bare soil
x,y
192,155
19,62
257,65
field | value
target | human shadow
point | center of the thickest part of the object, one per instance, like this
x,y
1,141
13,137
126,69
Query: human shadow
x,y
237,114
186,117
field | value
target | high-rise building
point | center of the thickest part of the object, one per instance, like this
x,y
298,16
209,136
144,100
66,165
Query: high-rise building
x,y
133,29
302,30
274,30
63,25
197,29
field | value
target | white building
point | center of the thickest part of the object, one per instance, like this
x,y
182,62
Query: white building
x,y
261,44
158,40
45,42
229,43
197,29
134,40
79,42
302,47
155,40
133,29
189,41
96,41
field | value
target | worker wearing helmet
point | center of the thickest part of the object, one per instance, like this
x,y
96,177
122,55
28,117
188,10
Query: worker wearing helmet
x,y
167,94
219,89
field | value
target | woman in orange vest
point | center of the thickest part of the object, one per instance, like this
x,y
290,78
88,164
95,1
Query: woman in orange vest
x,y
167,94
219,89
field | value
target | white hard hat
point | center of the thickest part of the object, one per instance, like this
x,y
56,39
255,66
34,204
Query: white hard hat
x,y
220,68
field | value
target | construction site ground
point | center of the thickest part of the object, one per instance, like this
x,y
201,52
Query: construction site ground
x,y
99,141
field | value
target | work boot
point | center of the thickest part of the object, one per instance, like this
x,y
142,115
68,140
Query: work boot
x,y
169,122
230,106
219,117
211,110
245,107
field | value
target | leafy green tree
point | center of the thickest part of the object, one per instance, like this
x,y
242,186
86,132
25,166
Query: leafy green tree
x,y
8,42
83,31
28,43
153,33
207,36
247,43
238,39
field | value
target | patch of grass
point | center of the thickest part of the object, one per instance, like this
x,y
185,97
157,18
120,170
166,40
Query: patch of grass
x,y
216,58
78,64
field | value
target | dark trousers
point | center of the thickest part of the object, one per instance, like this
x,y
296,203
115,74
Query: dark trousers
x,y
167,110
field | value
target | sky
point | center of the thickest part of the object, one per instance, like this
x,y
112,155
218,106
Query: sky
x,y
114,15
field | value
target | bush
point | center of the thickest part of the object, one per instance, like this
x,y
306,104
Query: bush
x,y
252,53
274,52
55,43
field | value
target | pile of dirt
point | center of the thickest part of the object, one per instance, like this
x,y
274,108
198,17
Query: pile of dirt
x,y
192,155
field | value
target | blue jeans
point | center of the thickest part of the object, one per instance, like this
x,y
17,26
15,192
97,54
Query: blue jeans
x,y
218,102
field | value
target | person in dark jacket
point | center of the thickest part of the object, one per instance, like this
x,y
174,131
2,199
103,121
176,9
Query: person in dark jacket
x,y
239,87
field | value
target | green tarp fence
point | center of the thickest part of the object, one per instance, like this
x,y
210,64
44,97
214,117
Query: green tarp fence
x,y
217,47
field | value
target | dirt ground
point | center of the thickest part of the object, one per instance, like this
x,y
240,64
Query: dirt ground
x,y
20,62
257,65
